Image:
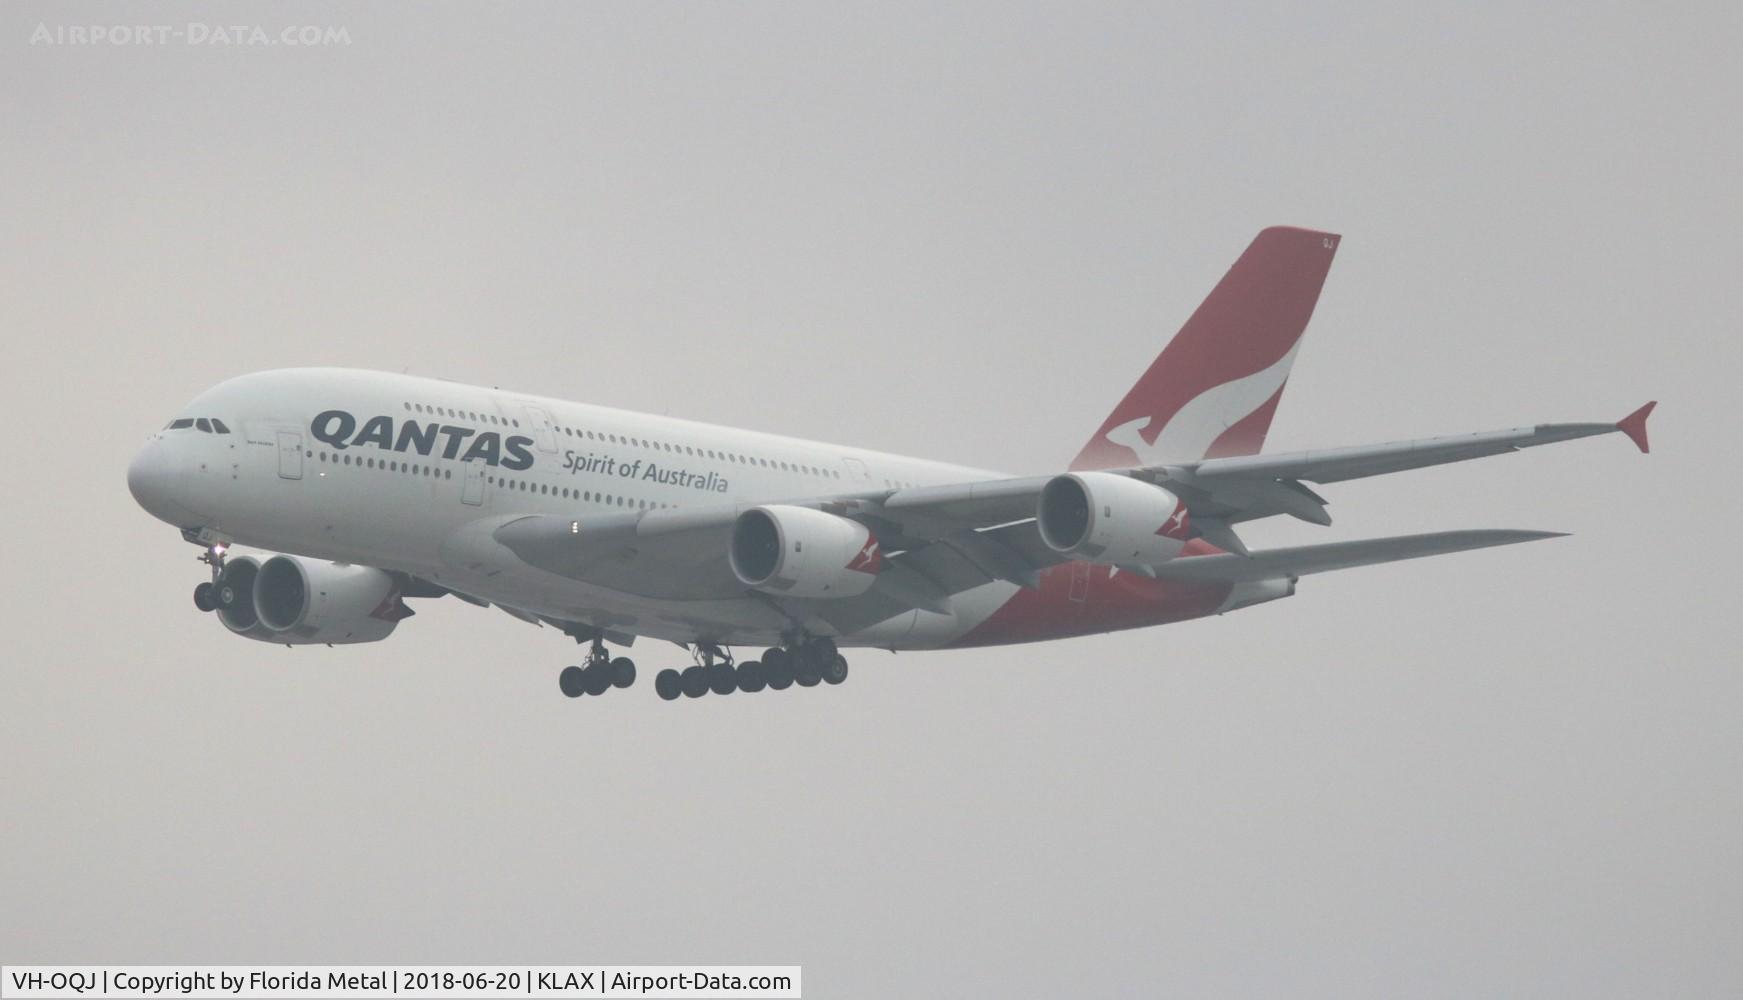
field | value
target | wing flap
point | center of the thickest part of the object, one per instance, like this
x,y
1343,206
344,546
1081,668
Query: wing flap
x,y
1305,559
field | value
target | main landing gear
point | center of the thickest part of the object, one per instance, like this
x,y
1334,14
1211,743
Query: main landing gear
x,y
808,663
601,673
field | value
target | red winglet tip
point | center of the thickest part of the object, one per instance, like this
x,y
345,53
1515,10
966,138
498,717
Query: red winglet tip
x,y
1634,425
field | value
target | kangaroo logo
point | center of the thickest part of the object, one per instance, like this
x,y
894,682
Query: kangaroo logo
x,y
1188,433
1176,526
869,558
1130,435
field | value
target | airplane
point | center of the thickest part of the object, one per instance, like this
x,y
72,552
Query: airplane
x,y
364,490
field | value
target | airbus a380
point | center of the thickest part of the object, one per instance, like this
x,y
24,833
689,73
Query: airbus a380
x,y
361,490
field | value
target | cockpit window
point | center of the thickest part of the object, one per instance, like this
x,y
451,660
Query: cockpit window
x,y
182,424
218,425
204,425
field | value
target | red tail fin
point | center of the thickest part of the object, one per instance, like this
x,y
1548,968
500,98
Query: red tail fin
x,y
1213,389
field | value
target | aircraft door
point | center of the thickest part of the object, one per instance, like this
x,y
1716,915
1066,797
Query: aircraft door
x,y
472,490
290,455
544,430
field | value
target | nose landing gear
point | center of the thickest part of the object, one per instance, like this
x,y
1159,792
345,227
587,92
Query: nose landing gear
x,y
206,596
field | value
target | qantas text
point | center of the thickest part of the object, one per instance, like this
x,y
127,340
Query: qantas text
x,y
339,429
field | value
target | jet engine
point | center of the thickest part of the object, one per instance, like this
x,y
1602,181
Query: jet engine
x,y
800,552
293,600
309,600
233,592
1111,520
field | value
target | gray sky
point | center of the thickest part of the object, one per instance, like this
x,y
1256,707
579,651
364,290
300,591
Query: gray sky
x,y
959,232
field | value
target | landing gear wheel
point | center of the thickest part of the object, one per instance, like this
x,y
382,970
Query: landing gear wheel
x,y
722,678
598,677
206,597
807,676
668,685
835,671
778,669
695,681
622,672
573,681
750,677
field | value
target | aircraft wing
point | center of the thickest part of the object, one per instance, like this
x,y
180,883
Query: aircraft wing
x,y
943,540
1224,491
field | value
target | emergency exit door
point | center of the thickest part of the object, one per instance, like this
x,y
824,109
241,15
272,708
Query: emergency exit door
x,y
290,455
472,490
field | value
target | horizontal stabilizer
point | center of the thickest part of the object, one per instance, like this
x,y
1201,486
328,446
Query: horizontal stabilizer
x,y
1305,559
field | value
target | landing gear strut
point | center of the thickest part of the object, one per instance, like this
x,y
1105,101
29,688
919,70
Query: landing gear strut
x,y
601,673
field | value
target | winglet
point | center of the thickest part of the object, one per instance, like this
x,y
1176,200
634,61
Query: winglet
x,y
1634,425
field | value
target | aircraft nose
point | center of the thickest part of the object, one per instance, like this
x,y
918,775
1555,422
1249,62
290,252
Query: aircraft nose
x,y
152,479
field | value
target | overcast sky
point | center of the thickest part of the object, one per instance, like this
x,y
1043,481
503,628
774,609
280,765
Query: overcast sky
x,y
954,231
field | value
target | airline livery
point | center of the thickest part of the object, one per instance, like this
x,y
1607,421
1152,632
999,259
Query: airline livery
x,y
361,491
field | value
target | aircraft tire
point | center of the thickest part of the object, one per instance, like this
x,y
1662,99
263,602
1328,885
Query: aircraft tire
x,y
835,671
722,678
205,597
668,685
622,672
695,682
598,677
751,678
573,681
778,669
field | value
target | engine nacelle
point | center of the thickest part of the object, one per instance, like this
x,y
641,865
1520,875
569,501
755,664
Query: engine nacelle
x,y
234,593
302,600
800,552
1111,520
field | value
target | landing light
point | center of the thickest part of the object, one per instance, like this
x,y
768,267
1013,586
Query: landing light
x,y
574,527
